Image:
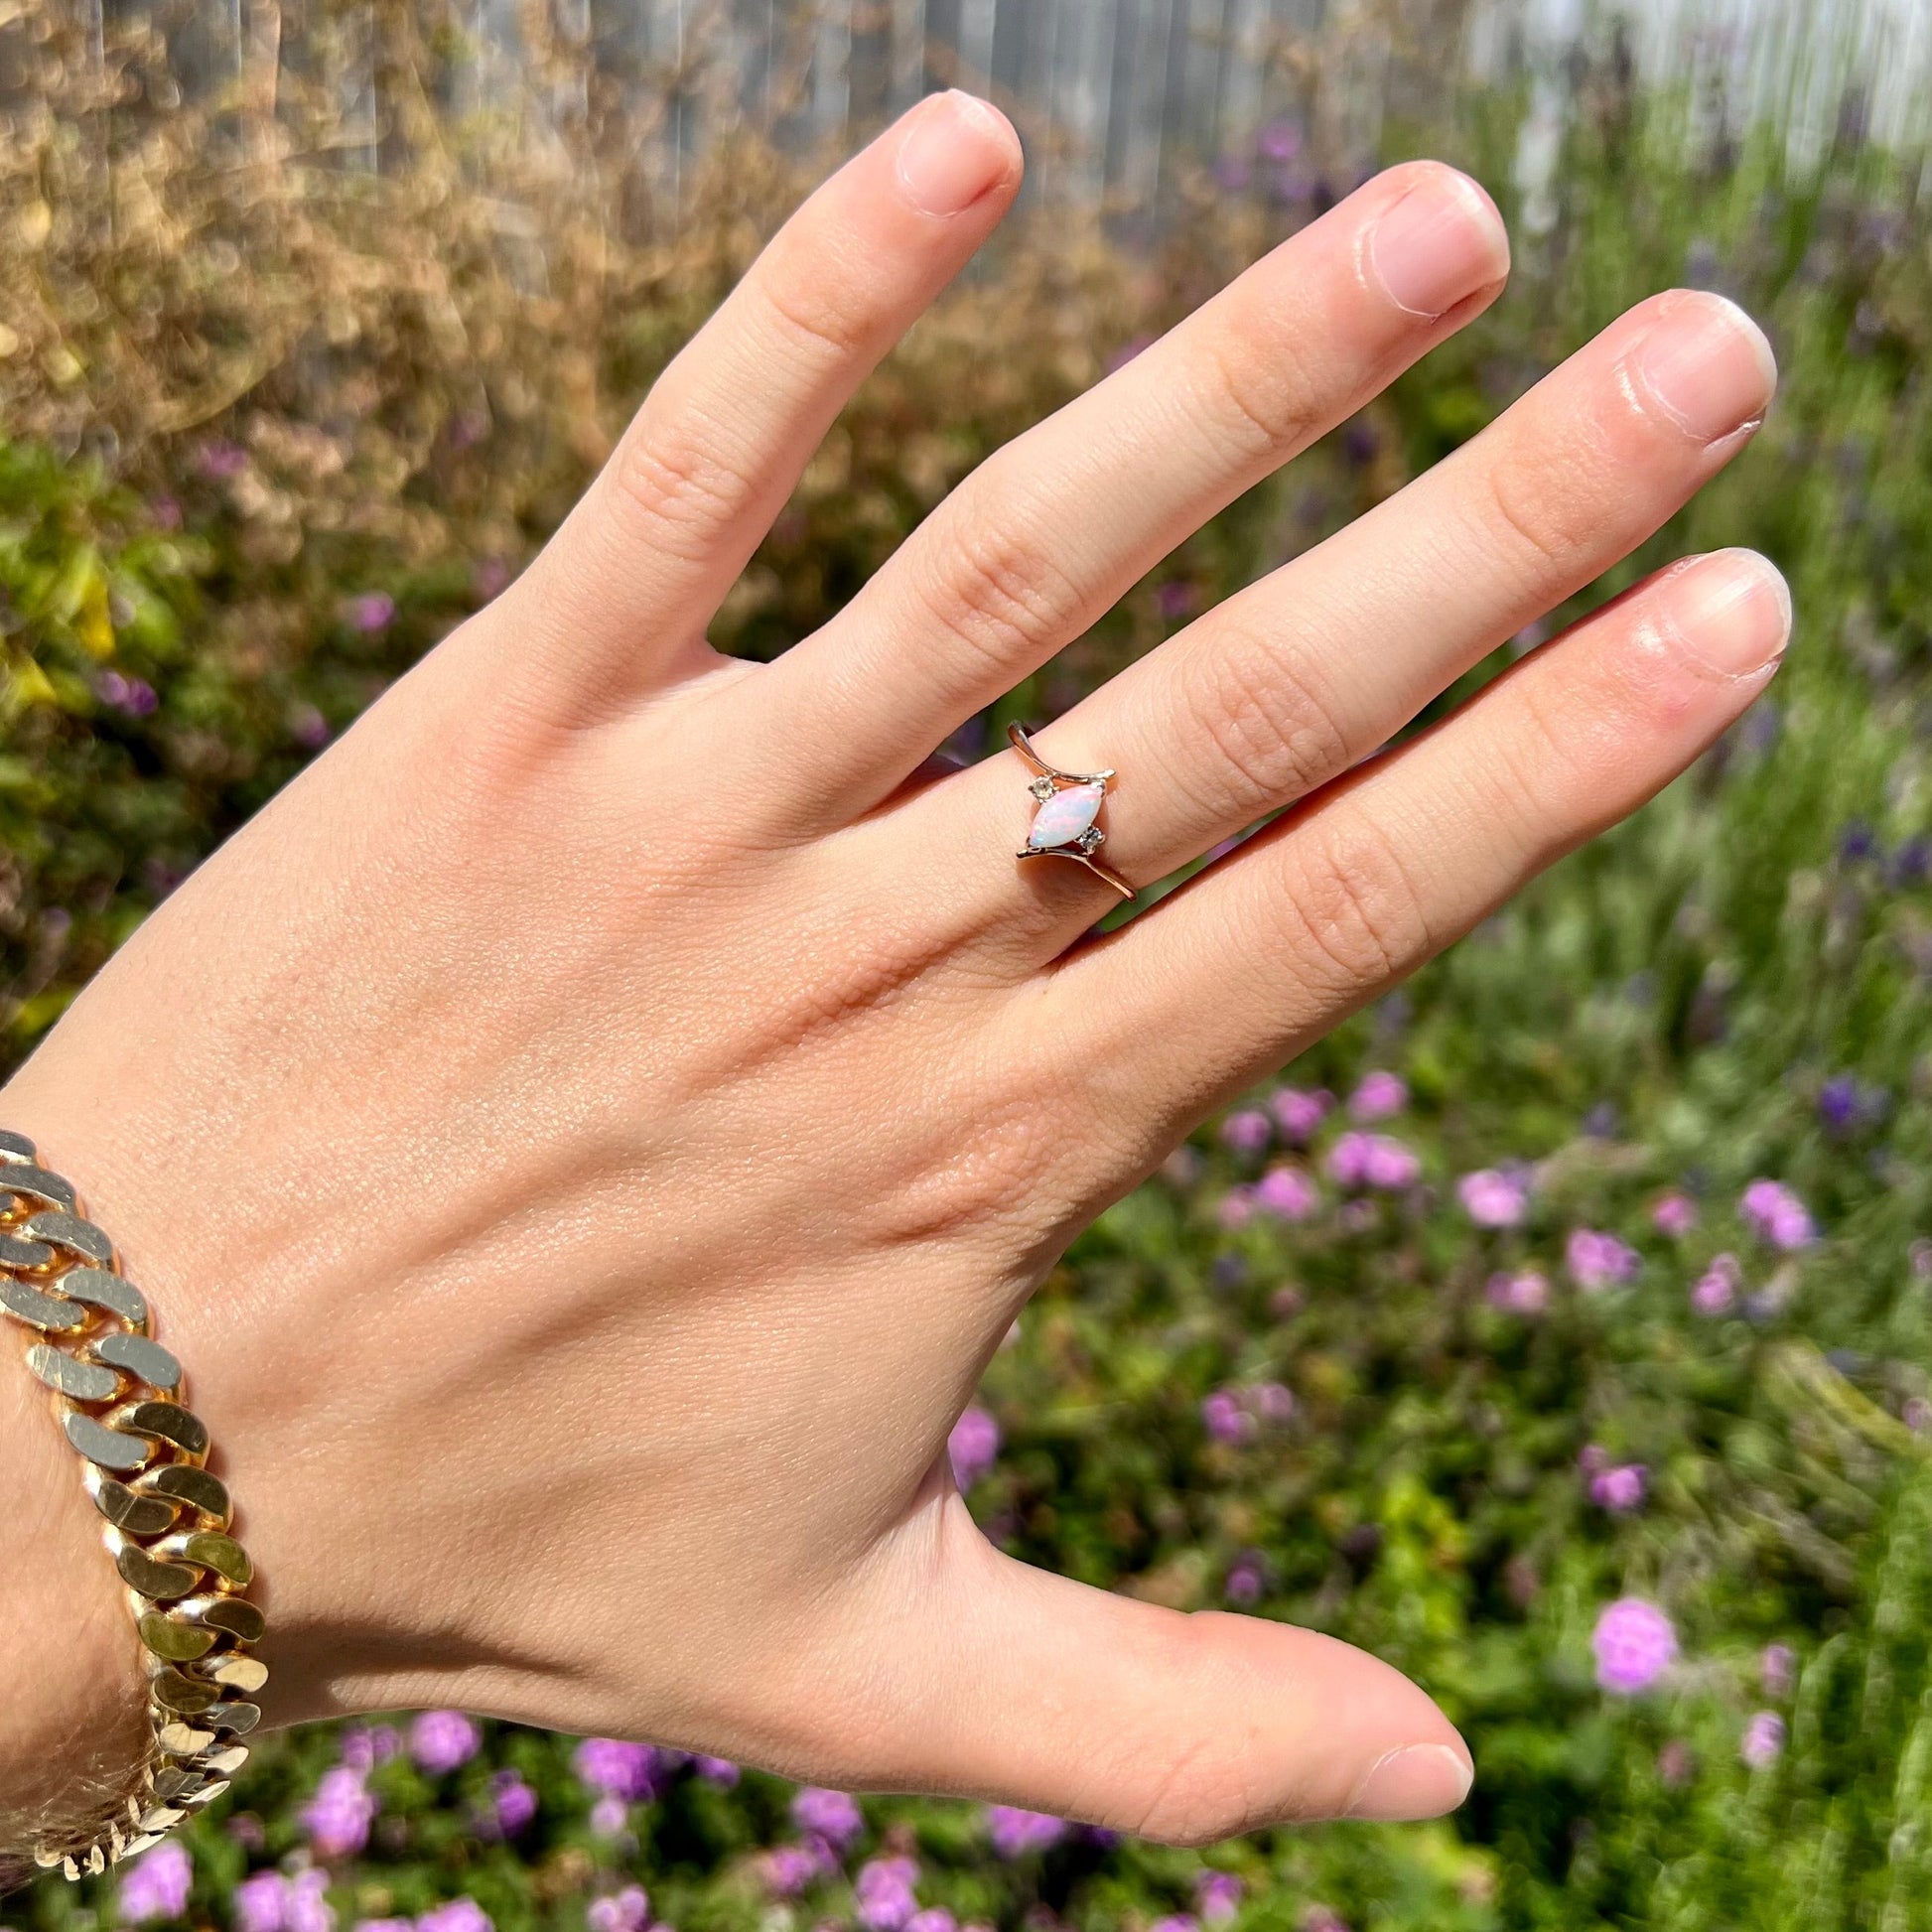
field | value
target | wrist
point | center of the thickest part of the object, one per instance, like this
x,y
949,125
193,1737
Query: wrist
x,y
72,1699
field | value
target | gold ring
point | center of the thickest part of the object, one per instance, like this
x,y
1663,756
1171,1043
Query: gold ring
x,y
1066,823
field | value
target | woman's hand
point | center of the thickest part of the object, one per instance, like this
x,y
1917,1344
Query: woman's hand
x,y
588,1135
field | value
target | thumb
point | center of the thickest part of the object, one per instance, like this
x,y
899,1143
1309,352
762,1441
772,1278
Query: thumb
x,y
1026,1688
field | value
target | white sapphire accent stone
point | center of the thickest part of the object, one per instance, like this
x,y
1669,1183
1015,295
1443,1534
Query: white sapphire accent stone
x,y
1064,816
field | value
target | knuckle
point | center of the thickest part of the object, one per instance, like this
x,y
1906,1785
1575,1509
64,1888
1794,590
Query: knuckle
x,y
680,490
1273,732
1002,595
988,1175
1537,512
1263,402
825,323
1354,909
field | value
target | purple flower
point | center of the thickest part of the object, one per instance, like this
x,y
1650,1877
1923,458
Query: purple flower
x,y
1224,1417
1715,1289
513,1801
156,1884
1174,599
883,1894
1634,1645
1272,1401
1300,1111
165,512
1247,1132
1235,1208
1763,1740
337,1819
1287,1191
491,578
133,695
1674,1214
1217,1896
1620,1490
1177,1922
1245,1579
1014,1832
309,1909
1674,1764
1280,140
623,1911
789,1869
1494,1198
364,1746
1778,1669
373,611
458,1916
260,1903
1598,1261
1523,1291
308,727
609,1816
972,1445
833,1816
935,1918
1380,1096
384,1925
616,1768
719,1771
1372,1161
441,1741
218,459
1775,1214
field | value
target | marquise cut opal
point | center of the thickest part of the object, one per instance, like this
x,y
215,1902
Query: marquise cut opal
x,y
1064,816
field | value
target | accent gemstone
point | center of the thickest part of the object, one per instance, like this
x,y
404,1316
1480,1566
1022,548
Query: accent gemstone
x,y
1064,816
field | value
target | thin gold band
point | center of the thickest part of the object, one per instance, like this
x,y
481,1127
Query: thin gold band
x,y
119,1399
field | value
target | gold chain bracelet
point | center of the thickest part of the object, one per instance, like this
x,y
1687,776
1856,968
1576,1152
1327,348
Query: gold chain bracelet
x,y
119,1398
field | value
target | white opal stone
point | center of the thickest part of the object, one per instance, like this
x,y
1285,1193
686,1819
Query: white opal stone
x,y
1064,816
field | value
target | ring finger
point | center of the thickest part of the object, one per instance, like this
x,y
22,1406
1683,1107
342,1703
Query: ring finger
x,y
1287,684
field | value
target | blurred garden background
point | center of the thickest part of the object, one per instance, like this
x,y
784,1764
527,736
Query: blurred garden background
x,y
1561,1329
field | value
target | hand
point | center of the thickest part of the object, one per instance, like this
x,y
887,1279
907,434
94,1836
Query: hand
x,y
588,1135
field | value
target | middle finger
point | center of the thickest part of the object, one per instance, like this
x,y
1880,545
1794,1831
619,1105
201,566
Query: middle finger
x,y
1048,533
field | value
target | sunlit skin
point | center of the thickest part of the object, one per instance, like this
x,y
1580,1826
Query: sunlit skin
x,y
587,1136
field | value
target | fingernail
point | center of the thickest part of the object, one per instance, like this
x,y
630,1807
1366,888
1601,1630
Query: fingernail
x,y
1417,1781
955,148
1707,365
1440,241
1732,613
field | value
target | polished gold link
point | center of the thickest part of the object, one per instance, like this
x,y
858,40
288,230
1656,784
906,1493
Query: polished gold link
x,y
68,1375
46,1312
34,1183
104,1445
236,1673
174,1690
138,1515
112,1293
168,1517
160,1582
173,1641
180,1738
147,1361
234,1615
16,1253
188,1482
166,1422
61,1228
211,1551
